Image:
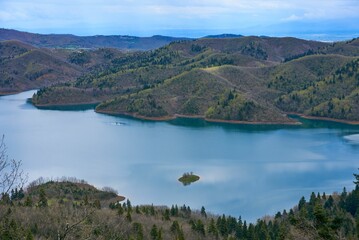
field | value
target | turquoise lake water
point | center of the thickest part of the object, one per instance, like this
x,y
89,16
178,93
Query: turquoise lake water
x,y
245,170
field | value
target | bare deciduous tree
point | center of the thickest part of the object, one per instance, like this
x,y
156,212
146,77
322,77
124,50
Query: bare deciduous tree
x,y
11,174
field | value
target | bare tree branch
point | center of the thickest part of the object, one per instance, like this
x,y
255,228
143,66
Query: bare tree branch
x,y
69,228
11,174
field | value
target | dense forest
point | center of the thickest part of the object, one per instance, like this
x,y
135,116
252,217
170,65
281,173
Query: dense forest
x,y
72,209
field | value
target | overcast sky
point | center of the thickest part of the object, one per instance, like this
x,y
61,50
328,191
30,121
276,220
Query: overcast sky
x,y
191,18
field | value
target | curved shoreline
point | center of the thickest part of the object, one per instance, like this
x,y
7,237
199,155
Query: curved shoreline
x,y
324,118
9,93
50,106
168,118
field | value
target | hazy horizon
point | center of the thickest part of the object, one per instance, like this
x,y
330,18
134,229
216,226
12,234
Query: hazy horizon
x,y
183,33
315,20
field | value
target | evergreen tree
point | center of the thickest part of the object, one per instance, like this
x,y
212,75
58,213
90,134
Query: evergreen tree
x,y
138,210
86,200
212,230
166,215
28,201
313,199
120,210
329,203
128,216
138,230
152,210
154,232
160,234
43,199
301,203
29,235
324,196
174,211
200,227
356,182
129,206
203,212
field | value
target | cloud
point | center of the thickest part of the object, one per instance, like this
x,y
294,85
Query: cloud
x,y
323,10
292,17
150,15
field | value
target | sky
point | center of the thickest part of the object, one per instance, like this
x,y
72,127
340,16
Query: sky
x,y
187,18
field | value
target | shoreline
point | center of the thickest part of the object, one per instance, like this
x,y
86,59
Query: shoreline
x,y
10,93
323,118
168,118
62,105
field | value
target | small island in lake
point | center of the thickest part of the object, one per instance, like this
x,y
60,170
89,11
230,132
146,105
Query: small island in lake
x,y
188,178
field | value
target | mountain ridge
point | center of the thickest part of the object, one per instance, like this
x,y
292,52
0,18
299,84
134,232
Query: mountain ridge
x,y
241,79
97,41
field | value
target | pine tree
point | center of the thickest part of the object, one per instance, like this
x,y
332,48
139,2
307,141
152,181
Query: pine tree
x,y
138,210
154,232
166,215
301,203
29,235
43,199
129,206
120,210
160,234
200,227
356,182
138,230
152,210
203,212
212,229
28,201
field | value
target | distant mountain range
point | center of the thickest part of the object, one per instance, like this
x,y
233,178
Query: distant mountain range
x,y
225,35
99,41
220,78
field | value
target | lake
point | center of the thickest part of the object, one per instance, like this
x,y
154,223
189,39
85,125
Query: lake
x,y
245,170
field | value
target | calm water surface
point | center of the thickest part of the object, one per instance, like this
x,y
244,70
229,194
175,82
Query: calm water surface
x,y
247,171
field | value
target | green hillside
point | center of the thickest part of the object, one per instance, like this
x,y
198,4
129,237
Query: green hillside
x,y
300,73
189,78
335,96
268,77
24,67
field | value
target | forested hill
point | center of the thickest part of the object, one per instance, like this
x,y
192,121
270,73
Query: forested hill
x,y
24,67
123,42
219,78
71,209
245,79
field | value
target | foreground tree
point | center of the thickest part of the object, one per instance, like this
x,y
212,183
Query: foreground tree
x,y
11,174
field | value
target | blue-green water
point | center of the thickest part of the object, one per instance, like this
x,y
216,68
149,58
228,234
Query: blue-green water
x,y
245,170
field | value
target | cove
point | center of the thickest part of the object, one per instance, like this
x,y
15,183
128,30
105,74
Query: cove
x,y
245,170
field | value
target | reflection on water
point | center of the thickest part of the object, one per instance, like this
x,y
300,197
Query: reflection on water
x,y
354,138
245,170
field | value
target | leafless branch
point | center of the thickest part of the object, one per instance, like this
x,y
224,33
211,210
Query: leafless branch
x,y
69,228
11,174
